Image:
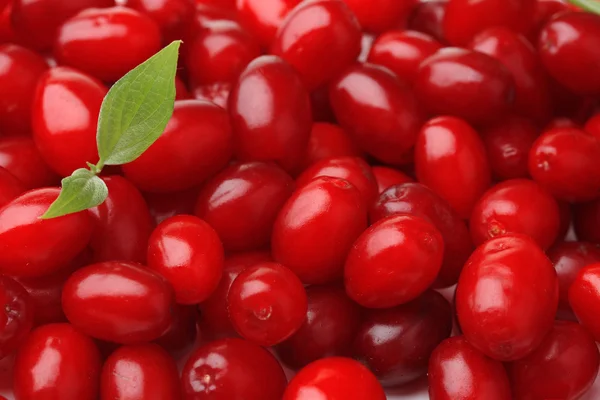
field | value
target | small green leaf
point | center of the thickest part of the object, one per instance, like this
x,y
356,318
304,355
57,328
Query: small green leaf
x,y
137,108
80,191
592,6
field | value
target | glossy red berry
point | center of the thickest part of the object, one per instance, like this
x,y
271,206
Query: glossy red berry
x,y
264,17
172,16
10,187
267,303
545,10
396,343
500,312
57,361
118,302
188,253
393,261
592,126
195,145
319,39
244,371
380,113
21,158
427,17
139,372
466,18
465,84
16,318
217,93
584,298
165,205
586,221
387,177
380,15
325,208
328,141
65,118
30,246
459,371
242,202
402,52
335,378
564,366
565,161
450,159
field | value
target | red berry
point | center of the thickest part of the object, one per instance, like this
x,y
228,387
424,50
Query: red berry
x,y
217,93
195,145
118,302
386,177
165,205
500,312
459,371
21,158
189,254
171,16
139,372
319,39
586,221
181,90
323,209
545,11
16,318
428,17
328,141
334,378
264,17
10,187
584,298
270,113
396,343
267,303
393,261
242,370
380,15
450,159
57,362
592,126
380,112
183,330
564,366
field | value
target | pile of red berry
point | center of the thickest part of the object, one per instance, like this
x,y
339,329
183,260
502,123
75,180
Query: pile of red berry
x,y
329,166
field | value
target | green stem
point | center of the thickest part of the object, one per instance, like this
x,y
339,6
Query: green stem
x,y
592,6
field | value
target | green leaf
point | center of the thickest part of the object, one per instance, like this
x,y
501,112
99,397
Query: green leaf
x,y
80,191
592,6
137,108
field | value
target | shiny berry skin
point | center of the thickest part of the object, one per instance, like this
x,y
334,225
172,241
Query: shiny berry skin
x,y
402,52
32,247
270,113
565,161
188,253
10,187
16,318
564,366
592,126
532,94
328,141
545,10
267,303
507,145
171,16
334,378
122,224
264,17
466,18
586,221
325,208
417,199
219,53
217,93
510,318
459,371
396,343
165,205
584,298
118,302
427,17
516,206
65,117
57,362
21,158
139,372
567,49
464,84
378,110
195,145
242,202
332,320
386,177
450,159
319,39
380,15
19,74
393,261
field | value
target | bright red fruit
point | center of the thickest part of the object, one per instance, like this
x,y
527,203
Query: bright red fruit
x,y
328,141
16,318
459,371
30,246
319,39
380,15
450,159
267,303
499,310
564,366
586,221
195,145
118,302
244,371
393,261
171,16
386,177
428,17
22,159
242,202
188,253
65,118
217,93
592,126
334,378
584,298
323,209
139,372
379,112
10,187
264,17
57,362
